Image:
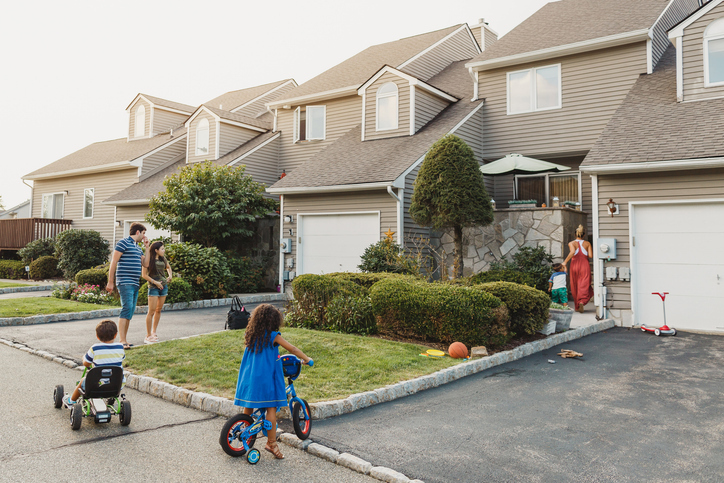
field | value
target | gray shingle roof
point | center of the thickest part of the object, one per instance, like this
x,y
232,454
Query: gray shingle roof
x,y
231,116
244,148
105,153
569,21
232,100
651,126
358,68
171,104
350,160
147,188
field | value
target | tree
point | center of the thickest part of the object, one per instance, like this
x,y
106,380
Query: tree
x,y
210,205
449,192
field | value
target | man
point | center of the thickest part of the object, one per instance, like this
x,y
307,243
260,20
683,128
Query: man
x,y
125,272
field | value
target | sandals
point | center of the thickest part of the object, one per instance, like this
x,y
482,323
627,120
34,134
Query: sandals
x,y
273,448
151,340
127,346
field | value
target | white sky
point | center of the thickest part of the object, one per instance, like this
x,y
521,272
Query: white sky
x,y
71,68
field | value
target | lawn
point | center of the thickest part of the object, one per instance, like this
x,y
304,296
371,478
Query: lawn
x,y
14,284
343,364
24,307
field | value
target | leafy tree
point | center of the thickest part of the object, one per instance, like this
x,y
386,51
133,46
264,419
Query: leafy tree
x,y
449,192
210,205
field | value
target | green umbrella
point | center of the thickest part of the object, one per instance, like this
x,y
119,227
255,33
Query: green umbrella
x,y
519,164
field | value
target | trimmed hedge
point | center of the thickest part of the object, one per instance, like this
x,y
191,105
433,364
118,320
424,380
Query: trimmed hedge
x,y
527,306
44,247
13,269
504,275
367,280
351,315
93,276
312,294
179,290
44,267
439,312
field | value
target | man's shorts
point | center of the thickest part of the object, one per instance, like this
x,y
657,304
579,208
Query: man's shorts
x,y
560,296
129,297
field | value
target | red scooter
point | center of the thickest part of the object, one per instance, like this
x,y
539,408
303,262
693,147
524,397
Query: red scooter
x,y
664,329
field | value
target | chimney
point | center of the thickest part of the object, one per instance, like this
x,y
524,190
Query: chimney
x,y
484,34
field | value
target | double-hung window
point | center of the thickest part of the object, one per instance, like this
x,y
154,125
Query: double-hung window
x,y
714,54
53,205
202,138
310,124
88,199
536,89
387,107
140,122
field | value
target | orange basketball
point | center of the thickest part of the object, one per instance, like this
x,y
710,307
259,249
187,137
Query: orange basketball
x,y
457,350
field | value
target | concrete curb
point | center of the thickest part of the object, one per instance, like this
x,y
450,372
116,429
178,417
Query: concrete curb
x,y
26,288
114,312
225,407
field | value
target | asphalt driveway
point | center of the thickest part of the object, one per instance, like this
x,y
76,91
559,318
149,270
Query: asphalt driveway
x,y
636,407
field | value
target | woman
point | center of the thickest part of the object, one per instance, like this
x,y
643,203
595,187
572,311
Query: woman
x,y
580,271
153,271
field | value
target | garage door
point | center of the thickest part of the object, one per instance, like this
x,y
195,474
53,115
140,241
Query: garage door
x,y
678,249
335,242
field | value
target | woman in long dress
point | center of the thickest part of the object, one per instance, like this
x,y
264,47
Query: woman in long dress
x,y
580,270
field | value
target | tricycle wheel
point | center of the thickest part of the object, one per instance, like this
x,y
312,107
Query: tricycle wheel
x,y
302,425
253,456
230,437
125,414
76,415
58,396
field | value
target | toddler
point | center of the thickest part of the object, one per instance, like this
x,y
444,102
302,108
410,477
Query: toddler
x,y
557,284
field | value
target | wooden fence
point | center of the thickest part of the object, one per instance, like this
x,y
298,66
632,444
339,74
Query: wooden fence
x,y
16,233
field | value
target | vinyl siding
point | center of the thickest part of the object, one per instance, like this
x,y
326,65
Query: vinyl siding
x,y
342,115
164,156
427,106
192,158
163,120
490,38
257,107
675,13
693,58
232,137
105,185
593,86
262,164
341,203
458,47
472,133
412,231
479,35
403,109
132,120
669,186
135,213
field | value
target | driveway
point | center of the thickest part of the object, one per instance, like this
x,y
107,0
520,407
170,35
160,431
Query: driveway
x,y
636,407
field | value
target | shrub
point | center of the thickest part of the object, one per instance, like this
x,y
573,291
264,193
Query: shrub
x,y
351,314
439,312
14,269
93,276
63,291
535,262
246,274
92,294
366,280
387,256
44,267
313,293
527,306
205,268
44,247
504,275
80,249
179,290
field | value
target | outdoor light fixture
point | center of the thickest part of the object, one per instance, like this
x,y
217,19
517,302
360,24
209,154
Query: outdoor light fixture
x,y
118,223
288,219
612,207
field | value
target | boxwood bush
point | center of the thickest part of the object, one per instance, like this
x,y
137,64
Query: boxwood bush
x,y
44,267
179,290
503,275
367,280
350,314
14,269
93,276
527,306
312,294
439,312
37,248
205,268
80,249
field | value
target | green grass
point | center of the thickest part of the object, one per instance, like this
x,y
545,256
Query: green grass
x,y
343,364
14,284
24,307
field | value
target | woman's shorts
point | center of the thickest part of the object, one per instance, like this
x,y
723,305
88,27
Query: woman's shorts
x,y
154,291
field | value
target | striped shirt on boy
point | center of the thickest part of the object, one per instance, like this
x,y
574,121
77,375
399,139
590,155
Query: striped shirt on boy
x,y
105,354
128,271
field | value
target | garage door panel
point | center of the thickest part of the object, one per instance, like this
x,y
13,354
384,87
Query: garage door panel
x,y
680,248
685,280
683,217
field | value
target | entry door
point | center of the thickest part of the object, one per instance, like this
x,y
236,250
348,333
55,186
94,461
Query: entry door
x,y
151,231
335,242
678,249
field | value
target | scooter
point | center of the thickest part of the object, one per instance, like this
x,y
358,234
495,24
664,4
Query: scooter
x,y
664,329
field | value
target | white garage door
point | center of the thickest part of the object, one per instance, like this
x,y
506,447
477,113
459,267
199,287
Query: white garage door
x,y
335,242
678,249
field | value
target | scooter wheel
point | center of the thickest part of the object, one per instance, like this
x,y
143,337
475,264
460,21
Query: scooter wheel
x,y
643,328
657,332
253,456
673,331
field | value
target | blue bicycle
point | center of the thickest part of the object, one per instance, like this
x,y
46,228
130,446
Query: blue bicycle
x,y
240,431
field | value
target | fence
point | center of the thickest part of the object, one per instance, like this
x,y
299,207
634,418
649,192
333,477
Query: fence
x,y
16,233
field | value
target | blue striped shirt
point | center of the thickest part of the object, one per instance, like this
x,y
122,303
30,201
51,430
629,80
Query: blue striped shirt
x,y
128,270
105,354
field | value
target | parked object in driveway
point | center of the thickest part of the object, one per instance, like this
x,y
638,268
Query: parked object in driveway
x,y
664,329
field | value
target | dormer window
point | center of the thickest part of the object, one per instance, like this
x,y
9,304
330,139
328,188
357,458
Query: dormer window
x,y
387,107
310,124
202,138
536,89
140,122
714,54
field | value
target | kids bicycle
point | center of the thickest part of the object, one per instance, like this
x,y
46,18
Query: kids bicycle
x,y
240,431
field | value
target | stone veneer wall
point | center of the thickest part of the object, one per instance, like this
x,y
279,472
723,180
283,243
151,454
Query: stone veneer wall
x,y
513,228
263,247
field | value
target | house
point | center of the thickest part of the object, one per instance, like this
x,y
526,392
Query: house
x,y
660,164
21,210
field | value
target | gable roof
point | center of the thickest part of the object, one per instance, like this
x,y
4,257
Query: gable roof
x,y
678,29
247,147
576,22
650,125
233,99
157,101
103,156
353,72
142,191
233,118
351,162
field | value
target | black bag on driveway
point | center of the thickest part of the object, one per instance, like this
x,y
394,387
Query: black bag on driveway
x,y
237,317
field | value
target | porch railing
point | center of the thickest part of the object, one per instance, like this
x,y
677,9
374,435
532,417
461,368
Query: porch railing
x,y
16,233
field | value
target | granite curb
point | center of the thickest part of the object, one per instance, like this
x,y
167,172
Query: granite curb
x,y
26,288
114,312
225,407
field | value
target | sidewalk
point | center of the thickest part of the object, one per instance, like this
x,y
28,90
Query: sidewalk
x,y
588,317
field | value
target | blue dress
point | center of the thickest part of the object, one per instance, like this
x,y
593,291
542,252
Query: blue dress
x,y
261,378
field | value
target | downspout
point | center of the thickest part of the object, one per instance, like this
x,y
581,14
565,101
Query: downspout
x,y
32,193
598,263
281,240
400,217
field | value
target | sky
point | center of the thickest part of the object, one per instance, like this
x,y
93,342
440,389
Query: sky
x,y
70,69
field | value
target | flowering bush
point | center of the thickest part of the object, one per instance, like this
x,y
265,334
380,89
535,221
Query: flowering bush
x,y
92,294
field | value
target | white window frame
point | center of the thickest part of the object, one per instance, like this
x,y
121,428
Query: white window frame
x,y
548,177
707,39
533,99
208,138
309,123
297,117
378,96
51,206
92,205
140,112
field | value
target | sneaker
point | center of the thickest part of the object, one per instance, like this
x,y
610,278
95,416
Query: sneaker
x,y
67,401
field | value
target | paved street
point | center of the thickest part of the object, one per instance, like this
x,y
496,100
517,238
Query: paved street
x,y
164,442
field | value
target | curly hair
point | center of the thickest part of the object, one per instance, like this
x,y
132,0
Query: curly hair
x,y
265,319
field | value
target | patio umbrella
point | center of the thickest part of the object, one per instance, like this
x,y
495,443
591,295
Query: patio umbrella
x,y
519,164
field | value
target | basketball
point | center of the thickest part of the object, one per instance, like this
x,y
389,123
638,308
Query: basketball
x,y
457,350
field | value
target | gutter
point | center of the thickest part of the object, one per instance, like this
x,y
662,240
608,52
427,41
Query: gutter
x,y
125,202
331,94
645,167
72,172
331,189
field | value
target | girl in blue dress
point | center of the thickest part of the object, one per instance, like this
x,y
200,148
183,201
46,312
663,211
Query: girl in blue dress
x,y
261,377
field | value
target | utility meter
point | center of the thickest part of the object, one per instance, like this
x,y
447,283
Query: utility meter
x,y
606,248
